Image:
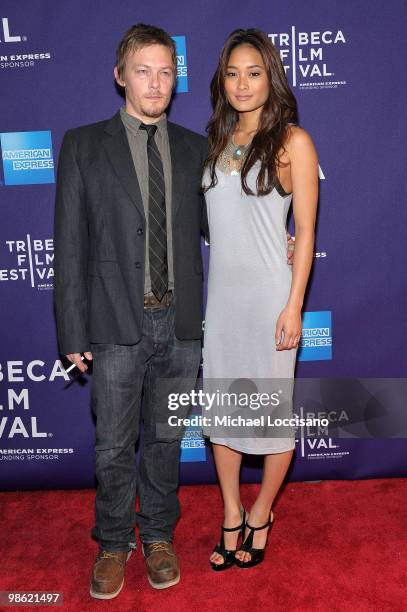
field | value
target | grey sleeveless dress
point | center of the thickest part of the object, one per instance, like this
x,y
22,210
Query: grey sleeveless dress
x,y
248,286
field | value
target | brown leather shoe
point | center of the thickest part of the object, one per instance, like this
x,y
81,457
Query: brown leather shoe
x,y
162,564
108,574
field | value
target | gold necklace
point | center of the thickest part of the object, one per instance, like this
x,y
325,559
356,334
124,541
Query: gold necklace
x,y
231,159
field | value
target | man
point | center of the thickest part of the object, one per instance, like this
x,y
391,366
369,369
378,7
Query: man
x,y
128,295
128,289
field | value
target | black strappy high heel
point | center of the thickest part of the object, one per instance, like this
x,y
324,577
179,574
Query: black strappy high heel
x,y
229,558
256,554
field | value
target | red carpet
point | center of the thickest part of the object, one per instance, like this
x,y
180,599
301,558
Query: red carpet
x,y
335,546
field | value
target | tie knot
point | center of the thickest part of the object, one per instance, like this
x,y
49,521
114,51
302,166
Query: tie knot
x,y
150,129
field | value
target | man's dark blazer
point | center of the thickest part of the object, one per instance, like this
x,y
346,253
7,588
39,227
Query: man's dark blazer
x,y
100,236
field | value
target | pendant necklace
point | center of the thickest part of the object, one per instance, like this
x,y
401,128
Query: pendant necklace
x,y
231,159
240,150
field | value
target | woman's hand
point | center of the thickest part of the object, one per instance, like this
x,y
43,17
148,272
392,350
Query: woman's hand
x,y
288,328
290,248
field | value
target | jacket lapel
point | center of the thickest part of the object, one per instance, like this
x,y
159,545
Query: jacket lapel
x,y
179,159
118,151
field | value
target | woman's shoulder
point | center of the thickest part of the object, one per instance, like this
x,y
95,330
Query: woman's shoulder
x,y
297,134
297,139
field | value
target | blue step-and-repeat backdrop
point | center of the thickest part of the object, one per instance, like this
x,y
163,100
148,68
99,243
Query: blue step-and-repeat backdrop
x,y
346,65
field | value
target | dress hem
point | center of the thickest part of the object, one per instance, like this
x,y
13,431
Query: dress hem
x,y
252,451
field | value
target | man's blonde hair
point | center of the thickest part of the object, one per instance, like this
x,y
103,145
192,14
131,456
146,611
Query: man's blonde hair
x,y
139,36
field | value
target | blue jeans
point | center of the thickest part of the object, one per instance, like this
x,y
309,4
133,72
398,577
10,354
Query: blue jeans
x,y
124,378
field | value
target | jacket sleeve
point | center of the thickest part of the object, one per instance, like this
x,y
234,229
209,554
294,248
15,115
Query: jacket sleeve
x,y
70,254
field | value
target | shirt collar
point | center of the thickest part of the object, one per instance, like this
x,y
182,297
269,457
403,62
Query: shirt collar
x,y
134,123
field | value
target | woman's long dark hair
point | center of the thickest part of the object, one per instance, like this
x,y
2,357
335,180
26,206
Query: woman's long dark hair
x,y
278,111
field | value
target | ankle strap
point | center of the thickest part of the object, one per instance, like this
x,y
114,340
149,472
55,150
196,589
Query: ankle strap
x,y
242,524
258,528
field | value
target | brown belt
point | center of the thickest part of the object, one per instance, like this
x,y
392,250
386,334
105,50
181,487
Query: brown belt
x,y
150,301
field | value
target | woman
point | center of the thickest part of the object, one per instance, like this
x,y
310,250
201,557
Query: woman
x,y
258,162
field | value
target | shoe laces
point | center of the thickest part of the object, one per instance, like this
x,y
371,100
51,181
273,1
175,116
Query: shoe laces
x,y
156,546
106,554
